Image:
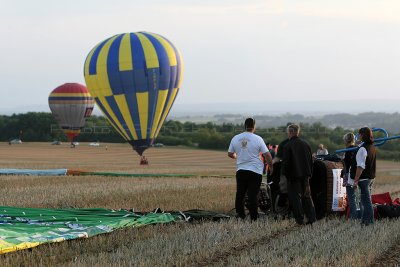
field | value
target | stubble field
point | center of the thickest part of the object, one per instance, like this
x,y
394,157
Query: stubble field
x,y
333,241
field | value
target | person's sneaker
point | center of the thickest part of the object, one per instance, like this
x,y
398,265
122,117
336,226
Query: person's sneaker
x,y
366,223
310,223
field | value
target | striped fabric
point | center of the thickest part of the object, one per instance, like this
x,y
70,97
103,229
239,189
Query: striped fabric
x,y
135,78
71,104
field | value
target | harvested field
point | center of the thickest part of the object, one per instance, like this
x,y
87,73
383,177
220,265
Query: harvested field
x,y
268,242
116,158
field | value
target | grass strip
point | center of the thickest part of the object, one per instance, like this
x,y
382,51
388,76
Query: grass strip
x,y
114,174
141,175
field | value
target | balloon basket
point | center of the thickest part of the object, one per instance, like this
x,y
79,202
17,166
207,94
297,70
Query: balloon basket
x,y
144,161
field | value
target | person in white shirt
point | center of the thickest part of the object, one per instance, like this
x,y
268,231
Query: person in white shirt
x,y
363,172
321,151
247,149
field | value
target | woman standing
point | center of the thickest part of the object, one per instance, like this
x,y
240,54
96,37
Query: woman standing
x,y
349,140
362,170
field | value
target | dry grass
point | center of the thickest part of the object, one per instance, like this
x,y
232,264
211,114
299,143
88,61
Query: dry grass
x,y
266,242
328,243
332,242
117,157
143,194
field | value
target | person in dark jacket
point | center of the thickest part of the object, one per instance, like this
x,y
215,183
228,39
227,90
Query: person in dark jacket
x,y
297,166
362,171
351,192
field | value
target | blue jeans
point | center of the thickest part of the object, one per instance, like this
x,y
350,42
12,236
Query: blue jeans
x,y
354,202
367,216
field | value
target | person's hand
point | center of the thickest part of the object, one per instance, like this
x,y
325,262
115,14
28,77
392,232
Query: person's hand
x,y
314,157
271,169
232,155
355,184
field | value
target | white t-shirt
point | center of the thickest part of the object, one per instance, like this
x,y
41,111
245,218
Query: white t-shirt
x,y
248,147
321,152
361,157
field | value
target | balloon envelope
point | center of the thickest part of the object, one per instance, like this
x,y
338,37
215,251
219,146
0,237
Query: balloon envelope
x,y
71,104
135,78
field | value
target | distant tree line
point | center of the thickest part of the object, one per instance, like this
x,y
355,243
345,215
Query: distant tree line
x,y
42,127
215,136
388,121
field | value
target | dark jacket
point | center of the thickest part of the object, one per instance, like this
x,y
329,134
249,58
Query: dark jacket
x,y
370,163
348,157
297,158
281,146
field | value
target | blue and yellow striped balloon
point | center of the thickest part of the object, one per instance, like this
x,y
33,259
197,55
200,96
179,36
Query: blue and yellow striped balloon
x,y
135,78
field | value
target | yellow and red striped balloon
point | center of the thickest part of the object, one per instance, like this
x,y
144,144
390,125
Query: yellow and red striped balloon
x,y
71,104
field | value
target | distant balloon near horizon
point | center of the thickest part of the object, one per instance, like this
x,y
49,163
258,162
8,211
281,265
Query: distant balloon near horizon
x,y
134,79
71,104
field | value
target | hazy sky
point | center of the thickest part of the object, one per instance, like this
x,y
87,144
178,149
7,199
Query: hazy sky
x,y
234,51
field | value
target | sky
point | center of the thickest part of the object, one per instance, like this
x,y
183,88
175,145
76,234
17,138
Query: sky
x,y
235,52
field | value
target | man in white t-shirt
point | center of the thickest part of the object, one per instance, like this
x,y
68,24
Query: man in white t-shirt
x,y
247,148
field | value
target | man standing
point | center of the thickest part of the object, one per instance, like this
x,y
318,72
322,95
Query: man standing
x,y
297,165
246,148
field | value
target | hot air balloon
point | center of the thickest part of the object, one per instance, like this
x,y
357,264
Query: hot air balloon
x,y
71,104
135,78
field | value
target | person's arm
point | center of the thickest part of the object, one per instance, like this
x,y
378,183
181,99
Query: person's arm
x,y
361,156
311,158
266,154
358,174
268,159
231,151
286,160
275,160
232,155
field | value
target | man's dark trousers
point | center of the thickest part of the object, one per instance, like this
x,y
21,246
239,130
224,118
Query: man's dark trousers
x,y
300,199
250,182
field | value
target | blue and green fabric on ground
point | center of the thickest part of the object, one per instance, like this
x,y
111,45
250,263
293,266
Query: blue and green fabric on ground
x,y
22,228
